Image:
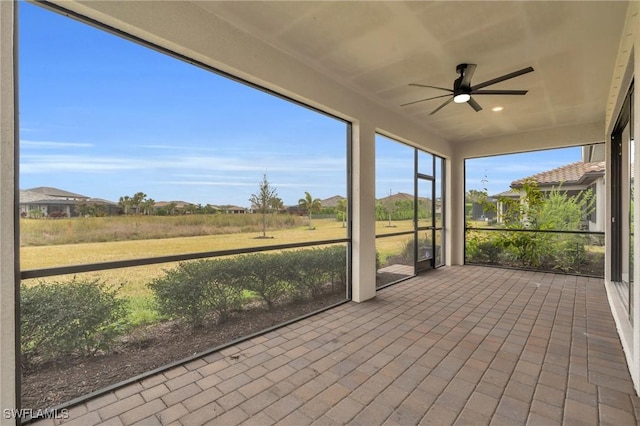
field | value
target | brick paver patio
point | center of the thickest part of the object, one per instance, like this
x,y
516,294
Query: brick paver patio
x,y
460,345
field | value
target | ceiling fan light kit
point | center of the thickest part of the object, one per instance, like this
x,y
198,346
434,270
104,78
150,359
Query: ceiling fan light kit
x,y
462,88
461,98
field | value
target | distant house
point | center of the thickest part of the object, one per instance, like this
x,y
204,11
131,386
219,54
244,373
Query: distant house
x,y
46,201
390,201
176,205
233,209
297,210
332,201
573,179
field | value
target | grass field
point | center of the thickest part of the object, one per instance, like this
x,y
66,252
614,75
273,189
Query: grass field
x,y
134,279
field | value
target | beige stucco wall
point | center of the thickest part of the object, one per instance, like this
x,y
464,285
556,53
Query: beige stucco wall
x,y
7,194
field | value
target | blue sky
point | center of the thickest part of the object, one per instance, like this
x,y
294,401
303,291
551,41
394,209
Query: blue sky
x,y
105,117
499,171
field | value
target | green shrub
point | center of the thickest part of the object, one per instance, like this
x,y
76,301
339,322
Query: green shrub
x,y
527,249
60,318
407,253
483,249
264,274
194,290
570,254
308,272
335,260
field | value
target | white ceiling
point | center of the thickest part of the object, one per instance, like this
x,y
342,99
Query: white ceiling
x,y
378,48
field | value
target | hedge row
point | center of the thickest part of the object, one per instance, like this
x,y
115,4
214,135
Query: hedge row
x,y
86,315
567,253
60,318
195,291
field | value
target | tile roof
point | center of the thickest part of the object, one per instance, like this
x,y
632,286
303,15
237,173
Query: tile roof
x,y
33,197
332,201
55,192
572,173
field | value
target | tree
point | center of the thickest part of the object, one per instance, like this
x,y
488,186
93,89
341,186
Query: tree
x,y
263,200
277,204
525,211
147,206
171,208
563,212
125,203
310,204
342,209
137,200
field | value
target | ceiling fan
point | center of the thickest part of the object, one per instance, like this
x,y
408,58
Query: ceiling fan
x,y
462,88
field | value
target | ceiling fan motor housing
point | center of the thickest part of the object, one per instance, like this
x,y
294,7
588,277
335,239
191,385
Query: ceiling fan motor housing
x,y
458,87
462,89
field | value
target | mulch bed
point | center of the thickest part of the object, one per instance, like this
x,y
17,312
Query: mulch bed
x,y
50,384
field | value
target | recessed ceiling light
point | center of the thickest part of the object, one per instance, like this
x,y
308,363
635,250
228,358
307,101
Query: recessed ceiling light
x,y
496,109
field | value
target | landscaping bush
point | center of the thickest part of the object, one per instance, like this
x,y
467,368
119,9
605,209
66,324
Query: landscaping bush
x,y
335,259
527,249
408,252
194,290
60,318
264,274
571,254
483,249
307,273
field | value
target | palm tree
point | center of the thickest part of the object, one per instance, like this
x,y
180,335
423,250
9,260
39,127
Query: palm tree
x,y
277,204
147,206
125,203
342,208
171,208
310,204
137,200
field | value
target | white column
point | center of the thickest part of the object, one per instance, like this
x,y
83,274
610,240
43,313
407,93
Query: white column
x,y
364,216
455,210
8,396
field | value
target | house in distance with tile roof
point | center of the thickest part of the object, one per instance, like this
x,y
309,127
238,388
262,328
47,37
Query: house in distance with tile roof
x,y
574,179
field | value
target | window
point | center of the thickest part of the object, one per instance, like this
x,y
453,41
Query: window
x,y
199,209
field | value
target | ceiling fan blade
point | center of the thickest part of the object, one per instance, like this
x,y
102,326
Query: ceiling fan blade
x,y
431,87
503,78
474,104
422,100
468,73
441,106
499,92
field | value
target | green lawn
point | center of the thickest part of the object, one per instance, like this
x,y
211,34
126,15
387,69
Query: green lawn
x,y
134,279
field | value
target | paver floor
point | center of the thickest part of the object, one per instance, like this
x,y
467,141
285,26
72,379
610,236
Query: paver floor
x,y
460,345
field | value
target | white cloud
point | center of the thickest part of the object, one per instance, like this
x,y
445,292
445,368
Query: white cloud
x,y
77,163
53,144
234,182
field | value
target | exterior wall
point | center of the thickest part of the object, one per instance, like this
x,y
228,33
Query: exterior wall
x,y
627,66
8,195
